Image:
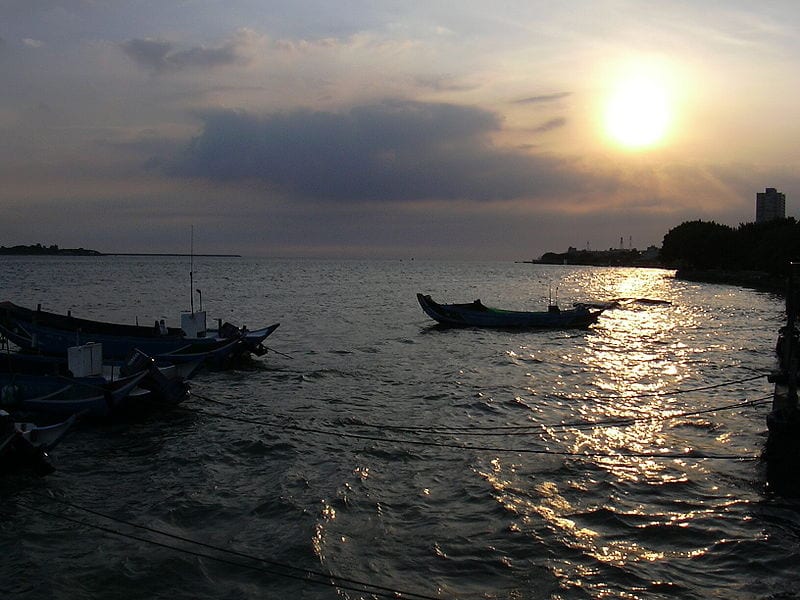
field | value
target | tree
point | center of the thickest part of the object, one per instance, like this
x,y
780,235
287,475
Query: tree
x,y
698,245
767,247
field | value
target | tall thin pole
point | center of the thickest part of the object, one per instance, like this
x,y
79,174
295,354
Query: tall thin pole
x,y
191,269
791,340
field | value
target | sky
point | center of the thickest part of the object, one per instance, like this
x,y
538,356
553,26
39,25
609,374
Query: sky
x,y
431,130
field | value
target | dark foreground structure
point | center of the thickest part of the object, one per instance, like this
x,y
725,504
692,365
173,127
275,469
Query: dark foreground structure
x,y
782,451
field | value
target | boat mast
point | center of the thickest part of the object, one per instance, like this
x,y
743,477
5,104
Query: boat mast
x,y
191,269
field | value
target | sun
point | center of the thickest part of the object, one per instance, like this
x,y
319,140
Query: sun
x,y
637,113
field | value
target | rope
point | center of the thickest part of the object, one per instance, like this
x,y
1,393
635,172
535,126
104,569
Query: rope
x,y
668,393
304,575
683,455
510,430
525,429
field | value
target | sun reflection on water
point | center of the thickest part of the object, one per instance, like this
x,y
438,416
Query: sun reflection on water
x,y
630,365
612,395
542,499
535,503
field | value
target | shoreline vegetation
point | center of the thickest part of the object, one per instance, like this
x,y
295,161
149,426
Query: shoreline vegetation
x,y
759,256
54,250
753,255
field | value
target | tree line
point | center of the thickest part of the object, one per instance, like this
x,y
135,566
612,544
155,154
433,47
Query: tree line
x,y
35,249
768,247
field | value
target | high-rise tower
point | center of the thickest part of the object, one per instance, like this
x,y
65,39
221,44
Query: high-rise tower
x,y
770,205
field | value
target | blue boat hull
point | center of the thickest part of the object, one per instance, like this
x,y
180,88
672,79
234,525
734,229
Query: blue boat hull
x,y
58,395
476,314
51,333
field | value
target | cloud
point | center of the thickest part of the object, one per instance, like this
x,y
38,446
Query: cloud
x,y
444,83
160,55
550,125
543,98
389,151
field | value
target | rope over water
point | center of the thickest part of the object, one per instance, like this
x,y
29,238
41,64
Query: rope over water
x,y
295,573
695,455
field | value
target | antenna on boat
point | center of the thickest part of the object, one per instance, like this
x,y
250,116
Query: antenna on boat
x,y
191,269
550,295
551,307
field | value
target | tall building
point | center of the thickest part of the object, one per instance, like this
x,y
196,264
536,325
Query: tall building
x,y
770,205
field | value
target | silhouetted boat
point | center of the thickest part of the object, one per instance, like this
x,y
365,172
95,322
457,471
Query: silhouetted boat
x,y
57,395
25,445
50,333
476,314
165,384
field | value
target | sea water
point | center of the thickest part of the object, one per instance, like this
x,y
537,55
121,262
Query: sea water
x,y
373,446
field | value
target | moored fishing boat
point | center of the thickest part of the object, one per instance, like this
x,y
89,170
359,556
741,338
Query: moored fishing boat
x,y
51,333
476,314
25,445
54,394
42,436
164,384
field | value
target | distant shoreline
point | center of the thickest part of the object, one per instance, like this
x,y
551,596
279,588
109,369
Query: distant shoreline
x,y
754,280
39,250
169,254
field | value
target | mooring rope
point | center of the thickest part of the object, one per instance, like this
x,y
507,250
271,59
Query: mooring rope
x,y
665,393
693,455
477,430
296,573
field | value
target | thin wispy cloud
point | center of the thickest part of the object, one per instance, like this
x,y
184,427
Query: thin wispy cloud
x,y
544,98
445,83
161,56
550,125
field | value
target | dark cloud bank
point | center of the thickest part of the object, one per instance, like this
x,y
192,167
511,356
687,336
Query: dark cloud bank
x,y
394,150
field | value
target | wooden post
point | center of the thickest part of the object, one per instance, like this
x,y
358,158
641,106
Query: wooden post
x,y
782,450
791,349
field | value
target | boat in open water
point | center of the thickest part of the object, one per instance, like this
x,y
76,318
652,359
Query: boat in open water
x,y
476,314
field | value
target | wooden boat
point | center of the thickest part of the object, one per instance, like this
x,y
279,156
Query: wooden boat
x,y
50,333
53,394
42,436
476,314
165,384
25,445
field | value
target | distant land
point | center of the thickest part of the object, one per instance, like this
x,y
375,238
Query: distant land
x,y
613,257
54,250
761,256
38,249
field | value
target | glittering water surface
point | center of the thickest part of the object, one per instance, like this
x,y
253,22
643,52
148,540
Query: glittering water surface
x,y
450,463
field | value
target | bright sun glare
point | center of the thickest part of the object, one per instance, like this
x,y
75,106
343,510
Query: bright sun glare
x,y
637,113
